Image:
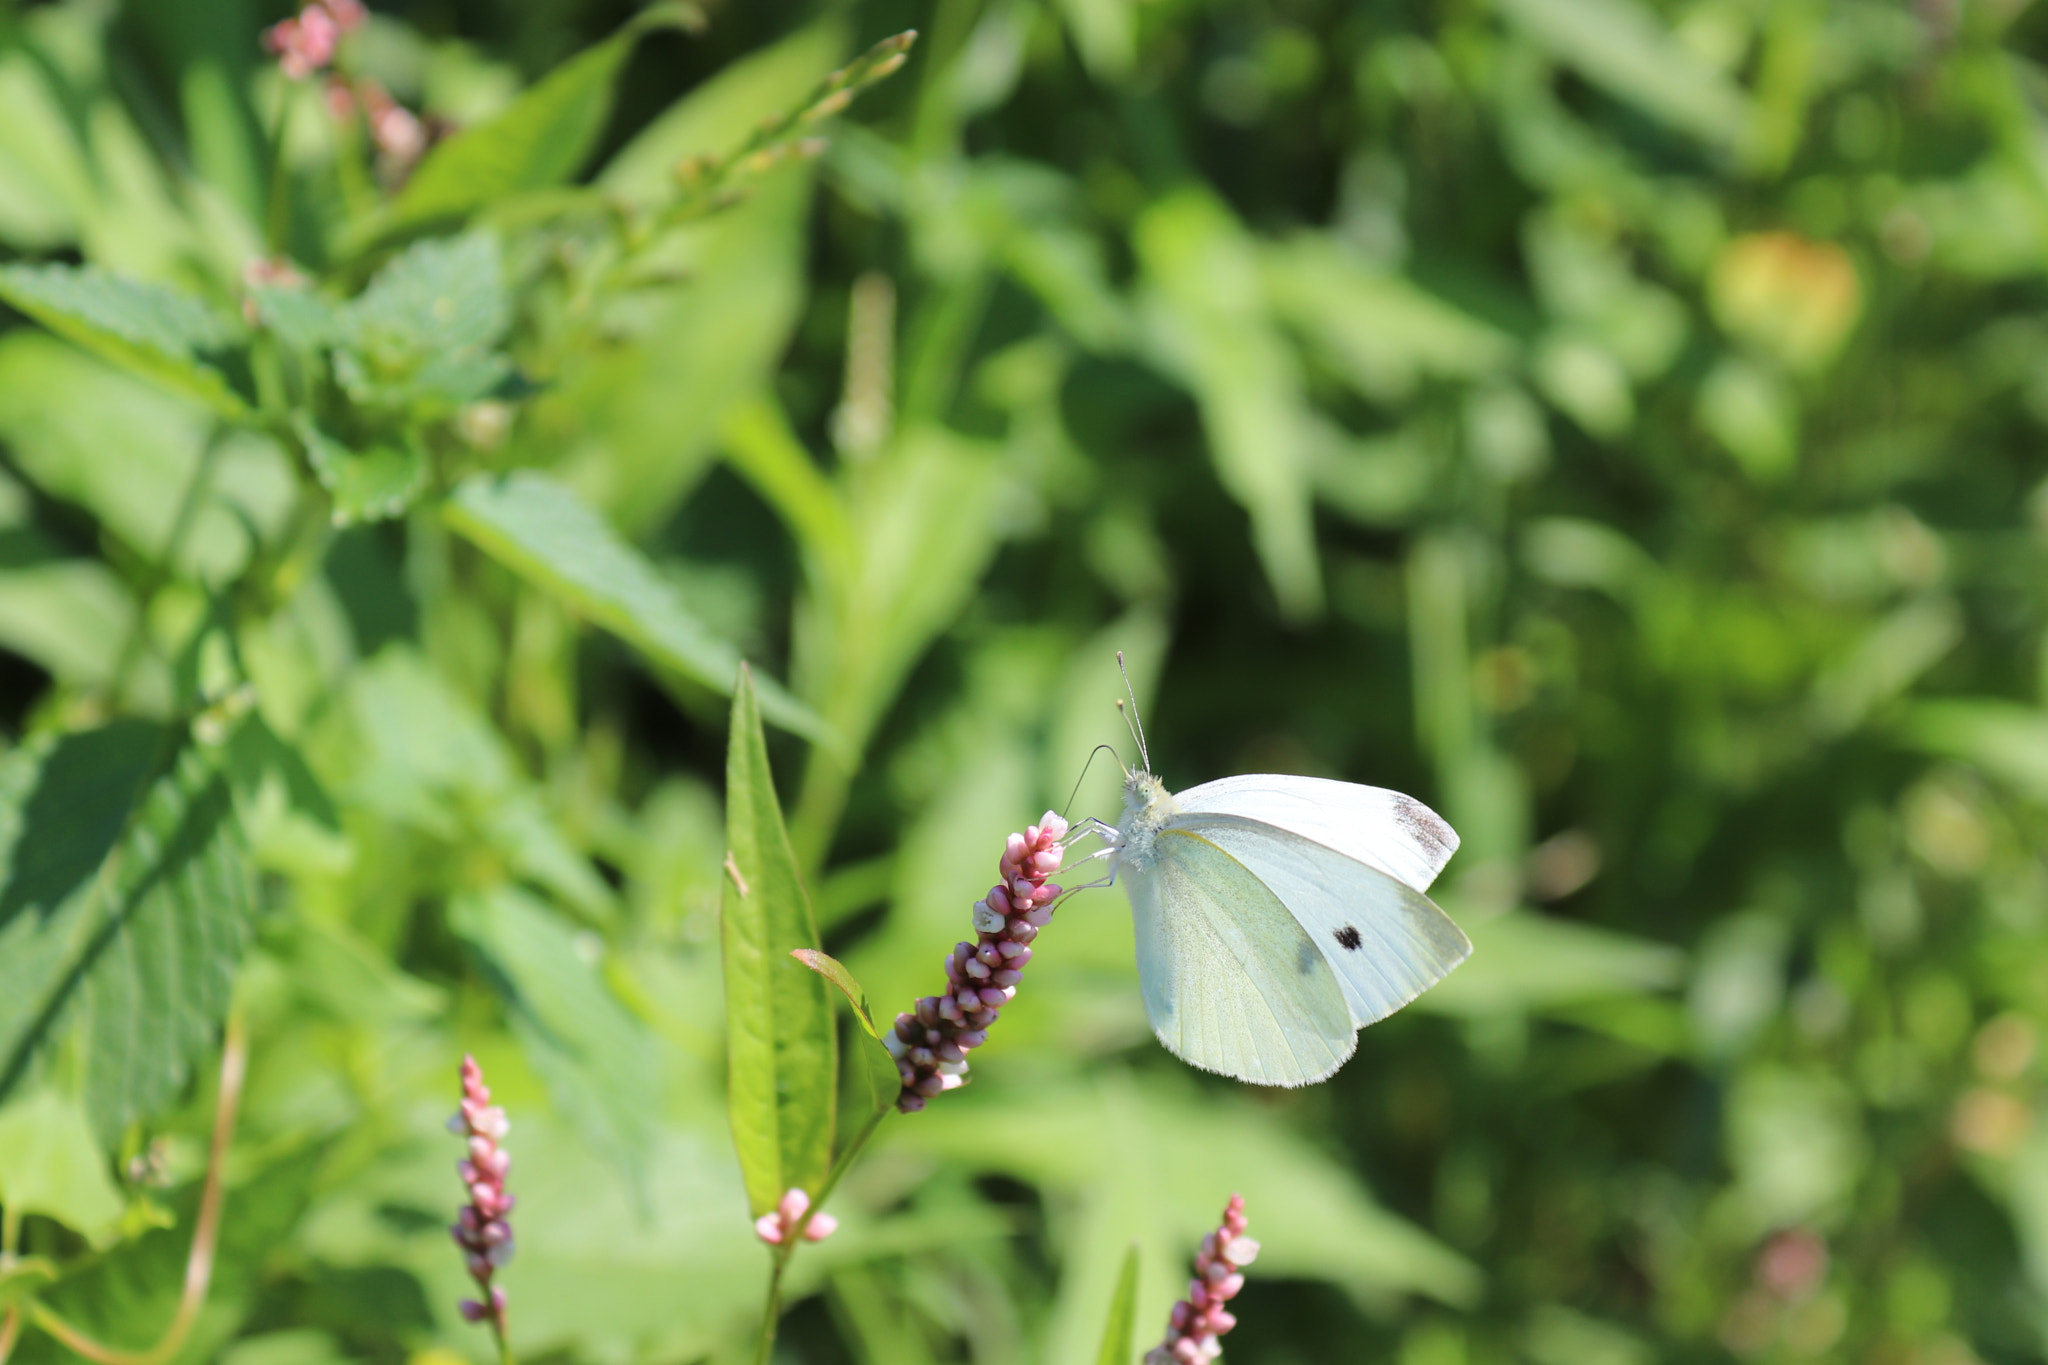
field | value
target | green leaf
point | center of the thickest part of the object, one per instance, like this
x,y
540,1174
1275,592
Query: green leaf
x,y
1523,961
374,485
125,902
299,318
779,1040
50,1164
1123,1314
2006,740
428,327
144,328
877,1066
597,1061
1624,46
547,535
1211,326
541,139
1381,332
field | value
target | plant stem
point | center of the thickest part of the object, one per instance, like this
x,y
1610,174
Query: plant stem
x,y
174,544
277,224
504,1342
771,1311
199,1263
10,1329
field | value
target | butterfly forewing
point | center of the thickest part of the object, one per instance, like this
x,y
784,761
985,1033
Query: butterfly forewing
x,y
1384,829
1386,942
1232,981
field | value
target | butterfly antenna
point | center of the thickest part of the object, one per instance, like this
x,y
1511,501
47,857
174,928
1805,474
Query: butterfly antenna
x,y
1131,717
1084,773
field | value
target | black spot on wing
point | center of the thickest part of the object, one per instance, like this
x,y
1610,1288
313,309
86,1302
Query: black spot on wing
x,y
1348,937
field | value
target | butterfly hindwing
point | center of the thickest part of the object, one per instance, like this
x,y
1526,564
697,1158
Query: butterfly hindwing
x,y
1232,981
1385,941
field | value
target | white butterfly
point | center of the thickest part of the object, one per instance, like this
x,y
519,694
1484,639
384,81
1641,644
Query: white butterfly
x,y
1278,915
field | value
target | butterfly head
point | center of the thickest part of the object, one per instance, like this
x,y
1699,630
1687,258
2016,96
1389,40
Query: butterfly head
x,y
1147,808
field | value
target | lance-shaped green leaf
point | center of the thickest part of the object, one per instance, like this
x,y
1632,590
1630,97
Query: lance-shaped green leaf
x,y
540,139
1123,1314
877,1066
125,897
779,1043
144,328
542,531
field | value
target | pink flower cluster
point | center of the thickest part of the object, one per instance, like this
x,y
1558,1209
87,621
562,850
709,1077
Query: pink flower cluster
x,y
1201,1317
305,42
775,1227
931,1043
483,1229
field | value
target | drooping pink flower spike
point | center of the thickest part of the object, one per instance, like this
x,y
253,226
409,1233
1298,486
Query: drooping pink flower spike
x,y
931,1042
775,1226
1200,1318
483,1229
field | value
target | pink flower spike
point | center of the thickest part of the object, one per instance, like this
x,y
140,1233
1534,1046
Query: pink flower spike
x,y
480,1229
984,975
1196,1321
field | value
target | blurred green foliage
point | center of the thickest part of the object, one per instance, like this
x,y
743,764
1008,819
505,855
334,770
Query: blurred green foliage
x,y
1613,421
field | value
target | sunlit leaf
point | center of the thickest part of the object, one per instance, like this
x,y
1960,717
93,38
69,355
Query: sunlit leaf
x,y
144,328
542,139
51,1164
877,1067
1213,328
545,533
779,1037
598,1062
1123,1314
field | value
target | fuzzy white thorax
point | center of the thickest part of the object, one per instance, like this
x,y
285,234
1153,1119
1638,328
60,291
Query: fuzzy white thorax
x,y
1147,808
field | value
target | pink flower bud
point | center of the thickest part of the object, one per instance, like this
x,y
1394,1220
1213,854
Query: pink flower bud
x,y
768,1227
821,1226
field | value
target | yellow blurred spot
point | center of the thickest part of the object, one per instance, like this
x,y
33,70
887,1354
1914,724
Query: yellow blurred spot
x,y
436,1355
1797,299
2004,1048
1989,1122
1944,827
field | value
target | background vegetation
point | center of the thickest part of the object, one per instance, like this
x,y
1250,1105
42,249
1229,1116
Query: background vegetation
x,y
1615,422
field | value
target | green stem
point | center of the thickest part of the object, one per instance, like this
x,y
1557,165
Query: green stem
x,y
771,1311
277,222
10,1330
174,544
504,1342
205,1233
